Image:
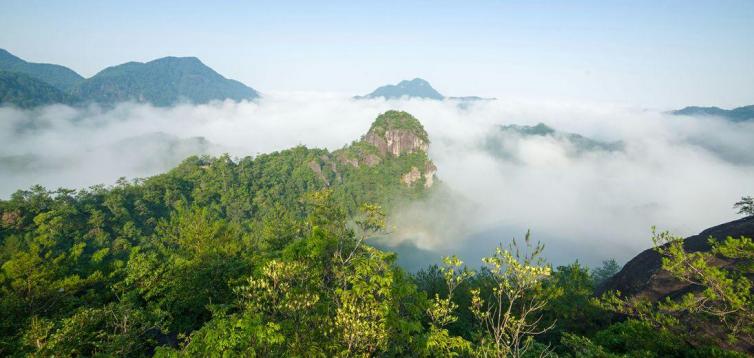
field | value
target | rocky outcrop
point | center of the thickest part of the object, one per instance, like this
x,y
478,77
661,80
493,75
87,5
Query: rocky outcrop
x,y
396,142
346,160
411,177
643,276
429,174
415,174
317,169
397,133
371,160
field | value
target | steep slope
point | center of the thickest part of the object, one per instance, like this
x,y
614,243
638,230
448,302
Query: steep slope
x,y
61,77
24,91
416,88
642,275
162,82
739,114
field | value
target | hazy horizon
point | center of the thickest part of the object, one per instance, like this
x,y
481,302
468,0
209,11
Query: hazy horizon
x,y
643,54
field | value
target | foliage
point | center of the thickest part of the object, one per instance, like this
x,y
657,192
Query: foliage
x,y
511,316
267,257
162,82
608,269
745,206
394,120
24,91
720,294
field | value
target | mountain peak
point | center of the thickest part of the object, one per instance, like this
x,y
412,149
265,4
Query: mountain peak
x,y
9,58
416,88
163,82
397,132
190,60
61,77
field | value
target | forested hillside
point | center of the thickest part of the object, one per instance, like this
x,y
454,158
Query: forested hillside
x,y
27,92
161,82
270,256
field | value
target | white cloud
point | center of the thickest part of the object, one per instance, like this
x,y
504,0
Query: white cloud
x,y
677,173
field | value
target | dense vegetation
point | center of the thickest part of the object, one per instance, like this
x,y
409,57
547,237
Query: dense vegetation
x,y
399,120
270,256
26,92
60,77
162,82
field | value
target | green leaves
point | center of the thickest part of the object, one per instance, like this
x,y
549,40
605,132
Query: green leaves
x,y
720,293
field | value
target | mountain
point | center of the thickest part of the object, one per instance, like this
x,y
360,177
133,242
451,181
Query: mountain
x,y
61,77
471,98
643,278
162,82
24,91
416,88
502,142
642,275
739,114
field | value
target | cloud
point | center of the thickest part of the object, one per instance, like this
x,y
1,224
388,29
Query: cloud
x,y
679,173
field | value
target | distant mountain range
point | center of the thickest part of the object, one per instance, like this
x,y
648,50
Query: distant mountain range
x,y
162,82
503,142
416,88
25,91
61,77
739,114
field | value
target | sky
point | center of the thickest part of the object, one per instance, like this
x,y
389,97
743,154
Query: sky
x,y
647,54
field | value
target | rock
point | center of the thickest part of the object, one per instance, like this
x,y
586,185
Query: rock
x,y
642,276
317,169
396,142
371,160
429,174
345,160
397,133
411,177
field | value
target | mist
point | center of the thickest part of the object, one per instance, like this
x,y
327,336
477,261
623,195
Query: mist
x,y
679,173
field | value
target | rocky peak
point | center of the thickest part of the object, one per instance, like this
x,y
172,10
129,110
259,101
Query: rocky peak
x,y
396,133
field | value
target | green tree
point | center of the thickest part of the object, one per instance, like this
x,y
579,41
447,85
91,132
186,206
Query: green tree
x,y
722,297
512,315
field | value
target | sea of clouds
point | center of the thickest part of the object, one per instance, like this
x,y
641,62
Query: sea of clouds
x,y
679,173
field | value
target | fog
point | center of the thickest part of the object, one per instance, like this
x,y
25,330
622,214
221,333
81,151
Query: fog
x,y
679,173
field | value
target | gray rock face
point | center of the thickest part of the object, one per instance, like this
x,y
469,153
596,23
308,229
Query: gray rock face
x,y
396,142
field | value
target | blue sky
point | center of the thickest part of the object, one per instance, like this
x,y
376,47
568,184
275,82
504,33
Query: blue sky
x,y
643,53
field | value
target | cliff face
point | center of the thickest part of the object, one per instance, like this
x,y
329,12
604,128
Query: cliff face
x,y
396,142
394,150
397,133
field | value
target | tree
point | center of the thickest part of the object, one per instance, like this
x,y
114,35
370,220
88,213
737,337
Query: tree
x,y
745,206
608,269
511,316
720,301
441,312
